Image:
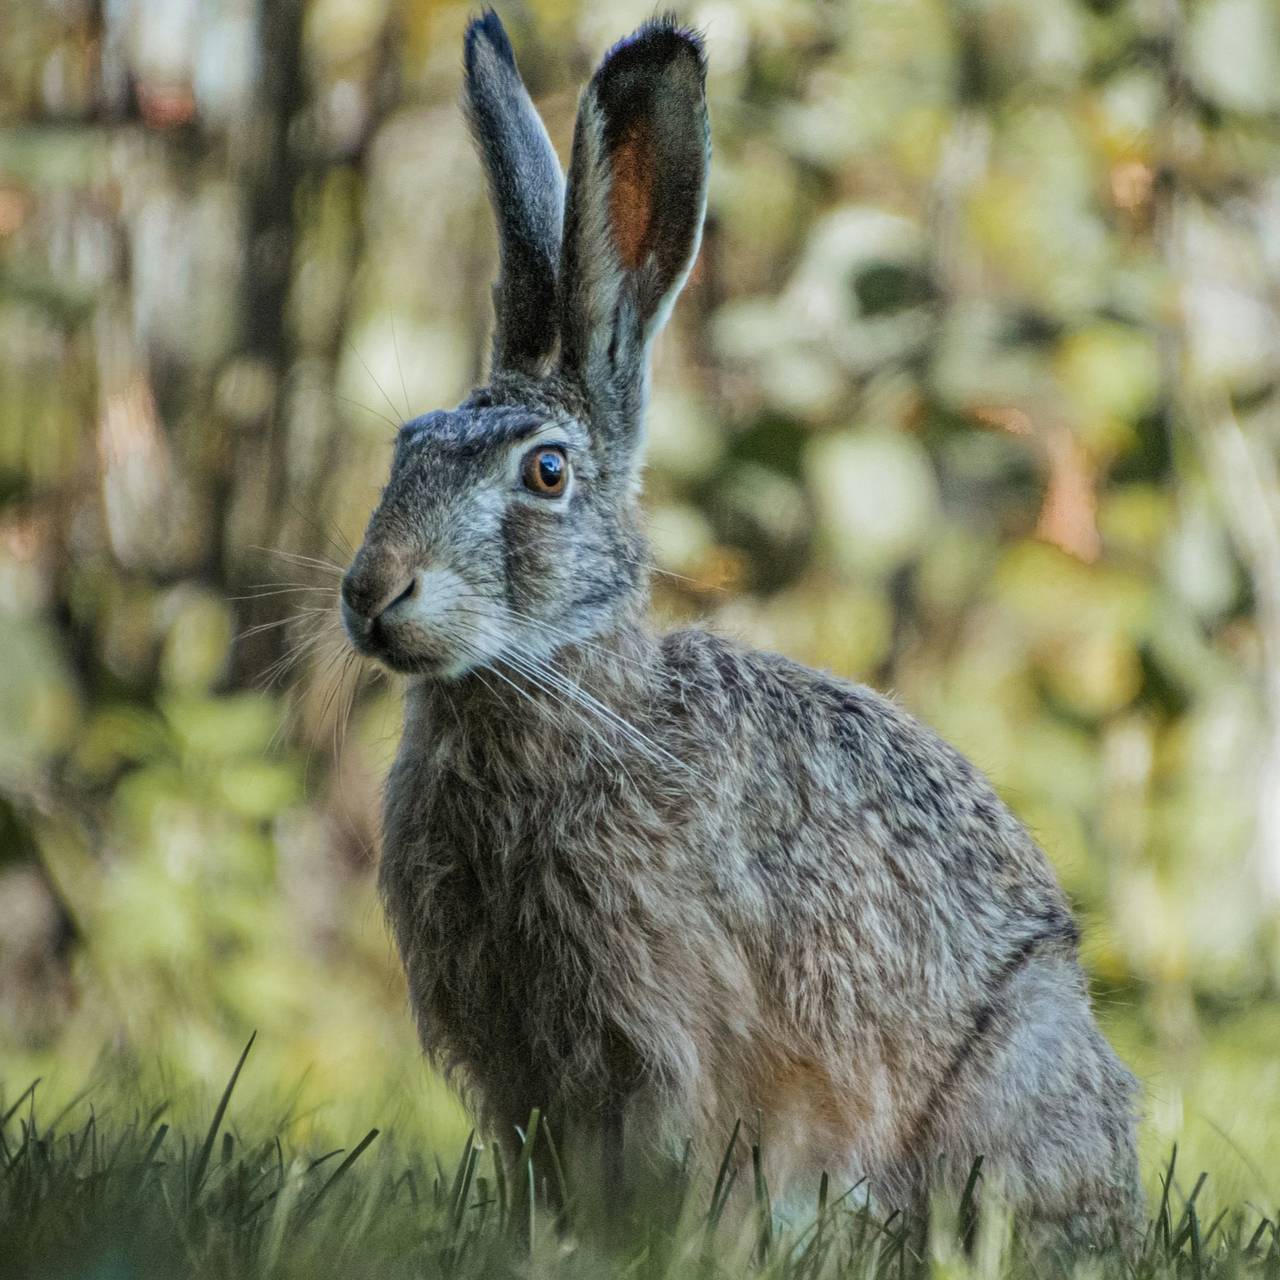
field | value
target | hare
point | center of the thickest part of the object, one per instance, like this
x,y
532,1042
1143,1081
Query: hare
x,y
659,884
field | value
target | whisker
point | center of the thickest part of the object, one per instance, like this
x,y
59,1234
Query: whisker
x,y
372,379
488,665
338,659
287,721
340,544
312,562
572,689
292,656
571,639
299,616
568,637
342,709
277,590
343,542
377,413
484,665
665,573
278,670
580,710
395,342
305,648
538,670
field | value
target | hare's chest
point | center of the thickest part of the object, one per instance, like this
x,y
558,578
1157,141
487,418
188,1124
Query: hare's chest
x,y
503,914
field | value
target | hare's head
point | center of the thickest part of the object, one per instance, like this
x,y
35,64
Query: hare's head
x,y
510,524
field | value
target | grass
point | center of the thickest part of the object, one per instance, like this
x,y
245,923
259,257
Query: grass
x,y
114,1199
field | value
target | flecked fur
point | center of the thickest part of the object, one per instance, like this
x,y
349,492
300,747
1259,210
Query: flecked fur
x,y
656,884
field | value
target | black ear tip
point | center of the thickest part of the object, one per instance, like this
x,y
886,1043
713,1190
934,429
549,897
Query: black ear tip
x,y
660,42
488,27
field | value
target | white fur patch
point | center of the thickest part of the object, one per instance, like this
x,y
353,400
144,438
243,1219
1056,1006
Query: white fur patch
x,y
449,613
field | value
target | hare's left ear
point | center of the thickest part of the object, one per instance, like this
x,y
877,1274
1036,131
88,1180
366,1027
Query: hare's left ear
x,y
636,196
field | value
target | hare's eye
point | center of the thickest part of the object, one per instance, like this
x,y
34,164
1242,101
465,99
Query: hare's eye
x,y
545,471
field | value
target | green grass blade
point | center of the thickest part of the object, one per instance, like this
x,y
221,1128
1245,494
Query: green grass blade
x,y
764,1207
356,1152
206,1149
524,1172
557,1171
968,1215
28,1092
1164,1215
1263,1227
457,1193
724,1179
500,1185
153,1148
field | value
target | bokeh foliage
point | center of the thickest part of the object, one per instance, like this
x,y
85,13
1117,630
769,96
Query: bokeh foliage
x,y
973,395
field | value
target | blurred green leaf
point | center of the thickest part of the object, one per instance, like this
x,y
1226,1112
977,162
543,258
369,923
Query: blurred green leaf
x,y
222,728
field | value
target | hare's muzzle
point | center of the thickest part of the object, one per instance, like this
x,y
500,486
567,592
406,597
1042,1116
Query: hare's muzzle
x,y
377,582
415,619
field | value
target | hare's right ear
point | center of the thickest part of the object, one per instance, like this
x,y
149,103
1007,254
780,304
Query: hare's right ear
x,y
526,188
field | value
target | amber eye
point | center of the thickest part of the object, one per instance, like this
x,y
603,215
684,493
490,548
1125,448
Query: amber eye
x,y
545,471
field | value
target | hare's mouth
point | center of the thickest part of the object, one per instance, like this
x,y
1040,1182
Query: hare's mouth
x,y
431,625
419,658
407,648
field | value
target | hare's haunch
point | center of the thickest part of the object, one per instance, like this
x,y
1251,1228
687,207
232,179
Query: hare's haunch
x,y
659,884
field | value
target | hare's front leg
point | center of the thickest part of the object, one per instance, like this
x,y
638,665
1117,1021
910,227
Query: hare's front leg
x,y
594,1163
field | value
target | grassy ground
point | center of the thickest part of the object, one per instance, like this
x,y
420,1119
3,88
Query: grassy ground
x,y
113,1197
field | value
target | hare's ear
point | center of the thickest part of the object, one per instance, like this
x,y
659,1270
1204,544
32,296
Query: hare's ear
x,y
527,191
637,194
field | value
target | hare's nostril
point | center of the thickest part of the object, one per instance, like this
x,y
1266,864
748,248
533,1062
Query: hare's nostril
x,y
409,591
400,593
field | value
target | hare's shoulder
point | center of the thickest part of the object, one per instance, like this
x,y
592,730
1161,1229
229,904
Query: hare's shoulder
x,y
860,764
757,692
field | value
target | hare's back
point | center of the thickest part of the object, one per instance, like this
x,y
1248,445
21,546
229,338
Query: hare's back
x,y
829,795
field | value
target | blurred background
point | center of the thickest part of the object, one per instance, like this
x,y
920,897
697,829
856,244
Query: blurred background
x,y
974,395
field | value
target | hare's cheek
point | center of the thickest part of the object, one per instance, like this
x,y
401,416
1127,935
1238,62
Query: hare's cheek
x,y
535,554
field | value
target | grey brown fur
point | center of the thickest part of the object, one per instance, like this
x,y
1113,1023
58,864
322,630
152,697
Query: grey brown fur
x,y
656,884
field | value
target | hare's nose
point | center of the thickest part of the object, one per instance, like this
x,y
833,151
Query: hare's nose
x,y
369,596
